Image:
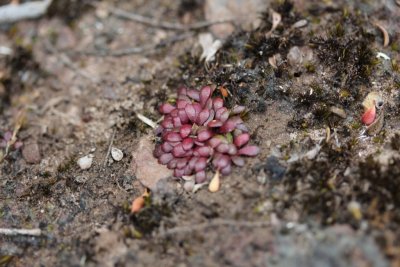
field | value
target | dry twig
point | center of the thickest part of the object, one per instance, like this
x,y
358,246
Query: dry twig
x,y
15,12
109,148
165,25
17,127
15,232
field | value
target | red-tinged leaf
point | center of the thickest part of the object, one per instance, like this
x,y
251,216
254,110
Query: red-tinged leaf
x,y
201,177
198,143
158,130
223,161
223,148
178,151
203,116
192,162
228,126
200,165
215,124
241,139
173,137
158,151
204,151
209,104
238,161
219,112
172,164
197,108
214,142
182,91
165,158
218,103
238,109
191,113
179,172
166,147
204,135
166,108
232,150
187,143
210,118
187,170
205,94
249,151
182,163
227,169
180,104
185,130
177,122
242,127
194,94
167,123
369,116
183,116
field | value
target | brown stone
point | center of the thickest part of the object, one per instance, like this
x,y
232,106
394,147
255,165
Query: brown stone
x,y
31,153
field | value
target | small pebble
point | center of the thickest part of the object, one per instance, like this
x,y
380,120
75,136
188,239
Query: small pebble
x,y
81,179
85,162
116,154
31,153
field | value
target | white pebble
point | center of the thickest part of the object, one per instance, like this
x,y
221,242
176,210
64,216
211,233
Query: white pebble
x,y
116,154
85,162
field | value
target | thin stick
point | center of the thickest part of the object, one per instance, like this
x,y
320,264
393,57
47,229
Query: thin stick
x,y
218,222
165,25
140,49
109,148
15,232
146,120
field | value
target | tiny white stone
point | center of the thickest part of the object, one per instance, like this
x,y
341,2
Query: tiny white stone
x,y
116,154
85,162
382,55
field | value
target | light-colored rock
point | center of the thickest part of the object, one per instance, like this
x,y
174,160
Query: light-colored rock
x,y
242,12
85,162
31,153
116,154
146,167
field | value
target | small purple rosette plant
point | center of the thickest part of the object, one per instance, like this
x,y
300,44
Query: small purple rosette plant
x,y
199,131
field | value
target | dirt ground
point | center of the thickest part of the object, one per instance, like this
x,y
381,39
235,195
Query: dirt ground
x,y
322,192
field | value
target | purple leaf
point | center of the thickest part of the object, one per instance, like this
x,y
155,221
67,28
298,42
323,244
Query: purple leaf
x,y
158,151
238,109
194,94
218,103
223,161
204,135
158,130
241,139
166,147
167,123
172,164
215,123
179,172
205,93
203,151
185,130
223,148
249,151
200,165
192,162
226,170
230,125
182,163
183,116
188,170
238,161
178,151
197,108
214,142
166,108
187,143
232,150
203,116
190,112
210,118
242,127
165,158
201,177
173,137
209,104
180,104
177,122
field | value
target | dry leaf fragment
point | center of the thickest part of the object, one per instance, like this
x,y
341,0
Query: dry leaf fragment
x,y
209,46
139,202
386,38
276,19
215,183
